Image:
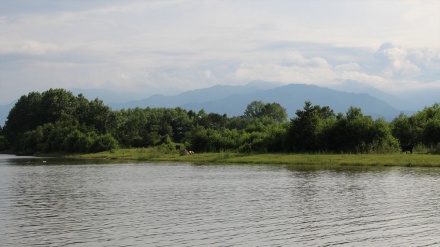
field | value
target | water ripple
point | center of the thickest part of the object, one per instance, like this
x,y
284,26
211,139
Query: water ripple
x,y
184,205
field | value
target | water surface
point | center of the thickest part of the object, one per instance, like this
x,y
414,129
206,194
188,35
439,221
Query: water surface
x,y
74,203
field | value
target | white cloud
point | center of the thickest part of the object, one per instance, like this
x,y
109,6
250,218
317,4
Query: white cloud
x,y
348,67
396,62
30,47
164,46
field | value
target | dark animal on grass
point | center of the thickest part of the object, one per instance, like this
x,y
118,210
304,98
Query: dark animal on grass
x,y
407,148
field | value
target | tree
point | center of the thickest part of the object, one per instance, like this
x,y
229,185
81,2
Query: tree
x,y
25,115
325,112
93,113
3,143
356,133
57,103
275,112
254,109
304,129
354,113
431,132
103,143
272,111
217,121
402,129
41,122
78,141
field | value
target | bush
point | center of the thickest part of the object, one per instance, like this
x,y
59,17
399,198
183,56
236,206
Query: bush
x,y
4,144
78,141
104,143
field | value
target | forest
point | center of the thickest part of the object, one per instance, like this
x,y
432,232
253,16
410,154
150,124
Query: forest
x,y
58,121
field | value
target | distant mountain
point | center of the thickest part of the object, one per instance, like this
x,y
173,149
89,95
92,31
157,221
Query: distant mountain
x,y
217,92
107,96
116,99
293,96
4,112
402,103
233,100
420,99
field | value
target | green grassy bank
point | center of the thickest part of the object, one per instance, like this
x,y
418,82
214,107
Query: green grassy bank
x,y
154,154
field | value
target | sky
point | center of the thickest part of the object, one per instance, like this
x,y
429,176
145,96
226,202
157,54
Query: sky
x,y
170,46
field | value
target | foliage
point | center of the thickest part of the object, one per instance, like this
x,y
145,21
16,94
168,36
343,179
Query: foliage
x,y
317,129
306,130
3,143
55,120
273,111
421,128
58,121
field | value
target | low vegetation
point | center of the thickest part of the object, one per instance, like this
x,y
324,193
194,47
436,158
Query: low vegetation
x,y
159,155
57,121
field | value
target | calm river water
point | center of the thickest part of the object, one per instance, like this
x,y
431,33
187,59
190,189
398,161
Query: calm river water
x,y
73,203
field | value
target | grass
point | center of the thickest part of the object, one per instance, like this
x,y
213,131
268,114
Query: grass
x,y
155,154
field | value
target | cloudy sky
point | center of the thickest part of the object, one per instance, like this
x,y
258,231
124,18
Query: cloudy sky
x,y
168,46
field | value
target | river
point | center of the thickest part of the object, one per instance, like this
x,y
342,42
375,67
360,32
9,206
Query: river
x,y
55,202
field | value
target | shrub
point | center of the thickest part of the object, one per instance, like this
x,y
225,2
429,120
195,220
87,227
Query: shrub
x,y
103,143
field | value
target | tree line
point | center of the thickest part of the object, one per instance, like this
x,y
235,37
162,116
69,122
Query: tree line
x,y
58,121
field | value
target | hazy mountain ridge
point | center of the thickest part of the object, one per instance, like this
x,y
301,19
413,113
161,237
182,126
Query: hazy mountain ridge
x,y
108,96
4,112
204,95
293,96
233,100
409,101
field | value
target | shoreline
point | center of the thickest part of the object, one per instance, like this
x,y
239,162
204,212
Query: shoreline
x,y
152,154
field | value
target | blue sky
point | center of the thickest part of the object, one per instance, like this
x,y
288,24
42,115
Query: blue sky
x,y
169,46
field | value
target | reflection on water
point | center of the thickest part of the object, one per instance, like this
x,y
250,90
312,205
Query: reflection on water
x,y
60,203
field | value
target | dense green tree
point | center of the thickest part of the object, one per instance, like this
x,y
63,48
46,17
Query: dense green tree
x,y
272,111
94,113
55,104
419,128
325,112
217,121
4,144
304,129
275,112
239,122
254,109
126,127
77,141
24,116
266,138
403,130
56,120
431,132
41,122
424,124
103,142
356,133
198,140
146,127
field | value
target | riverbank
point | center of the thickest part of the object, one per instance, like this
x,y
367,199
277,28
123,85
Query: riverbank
x,y
152,154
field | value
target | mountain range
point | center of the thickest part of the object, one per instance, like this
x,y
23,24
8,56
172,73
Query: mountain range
x,y
4,111
232,100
